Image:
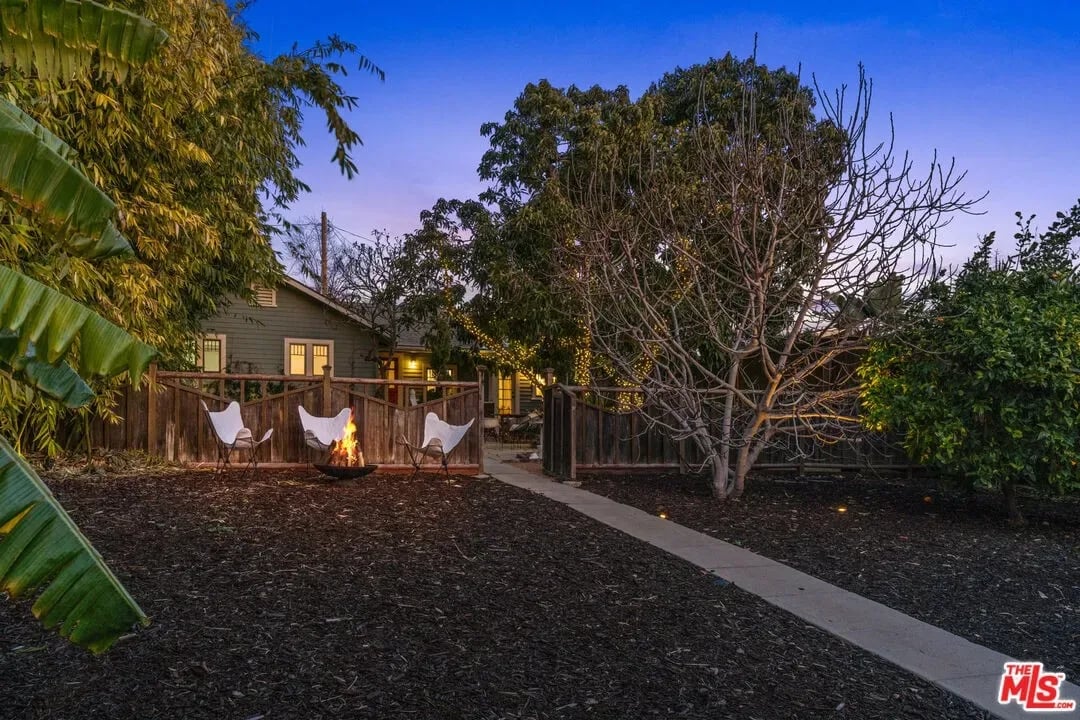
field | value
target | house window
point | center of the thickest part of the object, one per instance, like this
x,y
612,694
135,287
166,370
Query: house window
x,y
211,355
307,357
506,394
265,297
449,374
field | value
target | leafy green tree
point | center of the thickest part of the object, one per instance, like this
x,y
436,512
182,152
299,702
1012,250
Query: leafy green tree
x,y
553,139
984,385
41,328
198,150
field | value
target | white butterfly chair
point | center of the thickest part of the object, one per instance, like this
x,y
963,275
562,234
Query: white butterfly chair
x,y
322,432
440,439
228,427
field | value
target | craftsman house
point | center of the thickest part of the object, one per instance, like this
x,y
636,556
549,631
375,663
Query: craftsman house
x,y
292,330
295,330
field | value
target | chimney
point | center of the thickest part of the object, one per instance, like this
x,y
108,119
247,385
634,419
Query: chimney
x,y
322,236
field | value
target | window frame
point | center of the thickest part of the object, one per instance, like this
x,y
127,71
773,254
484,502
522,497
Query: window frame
x,y
200,358
309,355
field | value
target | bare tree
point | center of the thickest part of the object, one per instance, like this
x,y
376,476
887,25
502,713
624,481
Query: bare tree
x,y
372,278
735,271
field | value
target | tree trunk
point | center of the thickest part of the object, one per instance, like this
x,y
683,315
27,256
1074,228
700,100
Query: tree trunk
x,y
752,445
722,476
722,484
1012,506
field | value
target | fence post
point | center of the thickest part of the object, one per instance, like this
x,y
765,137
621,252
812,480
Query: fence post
x,y
573,435
547,422
151,409
326,390
480,371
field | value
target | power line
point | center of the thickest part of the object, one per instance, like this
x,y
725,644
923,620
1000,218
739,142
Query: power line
x,y
350,232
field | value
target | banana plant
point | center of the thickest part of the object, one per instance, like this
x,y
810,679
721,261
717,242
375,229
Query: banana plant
x,y
41,329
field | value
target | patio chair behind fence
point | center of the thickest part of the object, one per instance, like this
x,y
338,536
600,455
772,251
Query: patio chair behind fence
x,y
168,421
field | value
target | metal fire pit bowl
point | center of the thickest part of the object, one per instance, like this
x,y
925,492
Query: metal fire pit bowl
x,y
345,472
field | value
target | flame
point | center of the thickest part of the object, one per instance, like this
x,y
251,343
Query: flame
x,y
347,450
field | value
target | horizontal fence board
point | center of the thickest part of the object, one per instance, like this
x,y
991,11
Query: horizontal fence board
x,y
581,433
183,434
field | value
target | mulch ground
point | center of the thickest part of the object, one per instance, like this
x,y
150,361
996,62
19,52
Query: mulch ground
x,y
947,559
287,597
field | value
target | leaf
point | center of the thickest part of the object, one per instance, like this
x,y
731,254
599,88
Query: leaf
x,y
40,546
59,39
40,315
36,170
59,382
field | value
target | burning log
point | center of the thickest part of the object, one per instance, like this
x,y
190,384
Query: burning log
x,y
346,457
347,451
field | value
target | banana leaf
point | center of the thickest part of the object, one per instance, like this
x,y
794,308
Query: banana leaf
x,y
53,322
37,172
59,382
40,547
59,39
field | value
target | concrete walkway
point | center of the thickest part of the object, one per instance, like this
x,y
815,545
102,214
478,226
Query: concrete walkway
x,y
971,671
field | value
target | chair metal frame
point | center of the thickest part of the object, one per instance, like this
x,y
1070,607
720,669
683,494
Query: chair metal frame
x,y
227,427
440,439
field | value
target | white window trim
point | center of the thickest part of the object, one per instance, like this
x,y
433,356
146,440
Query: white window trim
x,y
309,358
200,347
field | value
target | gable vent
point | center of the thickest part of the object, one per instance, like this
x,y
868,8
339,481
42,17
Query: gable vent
x,y
266,297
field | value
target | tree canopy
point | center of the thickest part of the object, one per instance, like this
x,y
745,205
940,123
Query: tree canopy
x,y
983,384
556,140
198,152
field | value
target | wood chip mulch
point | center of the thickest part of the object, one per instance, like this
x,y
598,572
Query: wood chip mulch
x,y
948,559
290,597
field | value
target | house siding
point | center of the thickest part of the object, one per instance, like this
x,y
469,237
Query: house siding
x,y
255,336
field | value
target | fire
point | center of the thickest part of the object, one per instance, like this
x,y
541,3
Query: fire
x,y
347,450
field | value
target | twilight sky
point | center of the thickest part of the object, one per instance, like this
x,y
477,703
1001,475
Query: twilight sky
x,y
994,84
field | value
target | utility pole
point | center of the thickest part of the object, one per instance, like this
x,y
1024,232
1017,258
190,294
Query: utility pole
x,y
322,236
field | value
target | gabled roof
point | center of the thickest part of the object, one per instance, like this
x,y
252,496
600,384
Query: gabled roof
x,y
319,297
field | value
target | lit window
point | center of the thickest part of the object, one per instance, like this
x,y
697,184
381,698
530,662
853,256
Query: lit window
x,y
321,356
211,353
308,357
297,359
506,394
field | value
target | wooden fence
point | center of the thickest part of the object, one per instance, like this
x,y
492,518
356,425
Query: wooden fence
x,y
164,417
580,434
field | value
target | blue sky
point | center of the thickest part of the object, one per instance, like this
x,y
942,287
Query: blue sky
x,y
994,85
